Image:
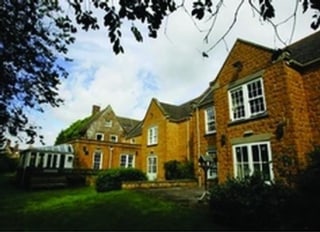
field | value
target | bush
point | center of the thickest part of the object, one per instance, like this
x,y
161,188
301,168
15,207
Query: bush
x,y
178,170
111,179
307,205
250,203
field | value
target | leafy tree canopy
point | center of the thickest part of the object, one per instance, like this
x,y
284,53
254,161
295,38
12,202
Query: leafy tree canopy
x,y
32,35
74,131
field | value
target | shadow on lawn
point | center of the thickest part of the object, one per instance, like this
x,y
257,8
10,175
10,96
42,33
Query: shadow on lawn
x,y
85,209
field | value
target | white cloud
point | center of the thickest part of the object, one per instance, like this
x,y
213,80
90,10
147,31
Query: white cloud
x,y
169,68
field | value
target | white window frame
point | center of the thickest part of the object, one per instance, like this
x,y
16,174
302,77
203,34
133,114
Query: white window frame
x,y
250,162
152,135
245,101
94,161
152,164
115,140
211,173
99,134
209,121
129,161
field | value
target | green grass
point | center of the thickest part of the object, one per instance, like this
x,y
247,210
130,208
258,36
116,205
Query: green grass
x,y
85,209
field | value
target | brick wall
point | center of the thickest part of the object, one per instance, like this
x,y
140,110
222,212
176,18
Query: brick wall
x,y
311,83
288,105
111,152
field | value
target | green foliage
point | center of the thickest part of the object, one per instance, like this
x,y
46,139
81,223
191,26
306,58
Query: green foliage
x,y
111,179
307,204
73,131
286,165
308,181
179,170
33,44
250,203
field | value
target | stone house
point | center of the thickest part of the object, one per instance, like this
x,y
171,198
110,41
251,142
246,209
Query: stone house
x,y
267,106
261,113
100,142
165,133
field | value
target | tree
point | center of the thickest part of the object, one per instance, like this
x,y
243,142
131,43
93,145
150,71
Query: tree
x,y
152,13
33,35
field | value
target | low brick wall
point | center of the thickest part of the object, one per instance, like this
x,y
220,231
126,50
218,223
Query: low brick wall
x,y
158,184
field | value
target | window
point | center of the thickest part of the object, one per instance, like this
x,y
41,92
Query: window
x,y
99,136
210,120
97,160
113,138
108,123
152,165
41,160
251,158
213,171
247,100
32,161
49,160
153,135
127,161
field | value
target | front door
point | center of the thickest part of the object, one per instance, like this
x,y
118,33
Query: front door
x,y
152,166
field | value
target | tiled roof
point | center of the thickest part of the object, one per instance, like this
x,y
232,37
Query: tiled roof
x,y
79,128
135,131
178,112
206,97
127,123
306,50
183,111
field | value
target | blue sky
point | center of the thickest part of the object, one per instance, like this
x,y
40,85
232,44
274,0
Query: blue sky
x,y
169,68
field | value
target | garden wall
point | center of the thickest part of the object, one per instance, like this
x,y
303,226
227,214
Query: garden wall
x,y
158,184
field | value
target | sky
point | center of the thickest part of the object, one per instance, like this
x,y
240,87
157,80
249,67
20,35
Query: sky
x,y
169,68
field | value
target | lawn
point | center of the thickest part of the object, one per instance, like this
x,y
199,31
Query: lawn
x,y
85,209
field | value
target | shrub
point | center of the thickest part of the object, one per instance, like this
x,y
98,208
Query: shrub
x,y
111,179
307,205
178,170
250,203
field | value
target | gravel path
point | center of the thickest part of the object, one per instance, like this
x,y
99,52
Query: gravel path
x,y
181,195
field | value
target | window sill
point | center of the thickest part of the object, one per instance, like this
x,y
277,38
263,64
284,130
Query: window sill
x,y
253,118
152,145
210,133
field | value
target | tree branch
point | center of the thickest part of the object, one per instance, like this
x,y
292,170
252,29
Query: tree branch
x,y
222,38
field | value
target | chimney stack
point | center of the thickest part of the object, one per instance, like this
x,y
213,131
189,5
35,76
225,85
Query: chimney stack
x,y
95,109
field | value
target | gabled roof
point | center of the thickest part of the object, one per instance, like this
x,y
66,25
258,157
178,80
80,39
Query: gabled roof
x,y
135,131
306,50
177,112
79,128
206,97
127,123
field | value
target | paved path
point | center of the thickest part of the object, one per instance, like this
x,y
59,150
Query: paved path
x,y
182,195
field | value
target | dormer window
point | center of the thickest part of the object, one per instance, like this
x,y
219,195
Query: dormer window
x,y
99,136
108,123
113,138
